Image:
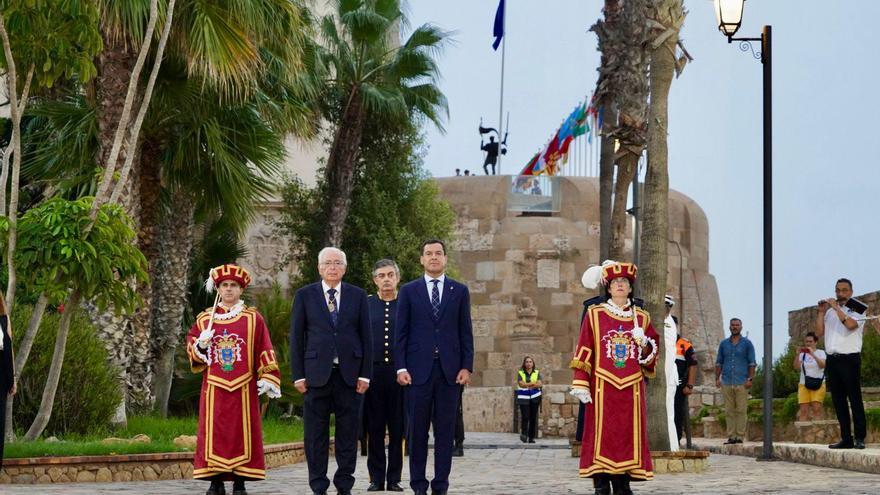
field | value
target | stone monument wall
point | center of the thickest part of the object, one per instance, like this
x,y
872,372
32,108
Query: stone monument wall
x,y
524,276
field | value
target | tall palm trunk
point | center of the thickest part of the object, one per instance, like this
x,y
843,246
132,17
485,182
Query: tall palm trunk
x,y
340,169
48,398
606,178
655,236
605,99
630,81
140,370
626,171
114,67
174,244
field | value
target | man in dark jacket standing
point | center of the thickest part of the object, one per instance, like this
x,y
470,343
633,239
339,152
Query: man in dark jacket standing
x,y
331,362
434,357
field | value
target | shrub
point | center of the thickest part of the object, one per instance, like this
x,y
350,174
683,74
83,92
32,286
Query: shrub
x,y
88,392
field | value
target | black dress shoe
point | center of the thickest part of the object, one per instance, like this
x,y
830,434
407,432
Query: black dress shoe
x,y
730,441
523,438
738,440
458,451
843,444
420,492
239,492
375,487
438,492
394,486
531,440
320,493
344,492
602,484
859,444
217,488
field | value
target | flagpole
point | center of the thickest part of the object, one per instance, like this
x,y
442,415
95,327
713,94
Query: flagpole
x,y
501,97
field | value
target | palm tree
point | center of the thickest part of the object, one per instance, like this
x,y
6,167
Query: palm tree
x,y
224,45
372,76
630,82
234,84
610,40
669,16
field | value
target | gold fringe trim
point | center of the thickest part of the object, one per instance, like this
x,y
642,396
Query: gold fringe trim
x,y
577,364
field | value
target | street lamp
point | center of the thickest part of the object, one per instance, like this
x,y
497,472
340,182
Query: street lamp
x,y
728,13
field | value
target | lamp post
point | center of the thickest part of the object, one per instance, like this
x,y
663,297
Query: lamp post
x,y
729,16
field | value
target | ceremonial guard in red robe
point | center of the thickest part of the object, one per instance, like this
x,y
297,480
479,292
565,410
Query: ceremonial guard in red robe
x,y
230,345
617,348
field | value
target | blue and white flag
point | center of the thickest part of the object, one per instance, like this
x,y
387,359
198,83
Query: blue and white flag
x,y
498,30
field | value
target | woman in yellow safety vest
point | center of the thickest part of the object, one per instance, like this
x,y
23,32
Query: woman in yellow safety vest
x,y
528,398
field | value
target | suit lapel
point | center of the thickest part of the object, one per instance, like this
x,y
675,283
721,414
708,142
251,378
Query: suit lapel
x,y
319,293
447,296
422,290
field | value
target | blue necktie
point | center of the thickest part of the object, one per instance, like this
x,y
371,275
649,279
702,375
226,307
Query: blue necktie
x,y
334,312
435,300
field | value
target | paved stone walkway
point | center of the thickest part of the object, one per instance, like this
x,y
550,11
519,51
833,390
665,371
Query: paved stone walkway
x,y
498,465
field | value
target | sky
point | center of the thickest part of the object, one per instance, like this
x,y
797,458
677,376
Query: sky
x,y
826,179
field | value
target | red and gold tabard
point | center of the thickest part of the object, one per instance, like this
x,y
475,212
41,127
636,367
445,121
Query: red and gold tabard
x,y
230,430
608,361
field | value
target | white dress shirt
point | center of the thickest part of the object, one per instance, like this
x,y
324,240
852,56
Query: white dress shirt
x,y
838,338
430,285
337,296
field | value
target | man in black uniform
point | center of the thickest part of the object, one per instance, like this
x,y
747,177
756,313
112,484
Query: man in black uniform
x,y
383,406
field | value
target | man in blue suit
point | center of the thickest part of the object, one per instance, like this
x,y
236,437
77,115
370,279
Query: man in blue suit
x,y
434,357
331,362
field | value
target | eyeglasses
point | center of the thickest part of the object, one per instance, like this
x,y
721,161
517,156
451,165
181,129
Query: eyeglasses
x,y
332,263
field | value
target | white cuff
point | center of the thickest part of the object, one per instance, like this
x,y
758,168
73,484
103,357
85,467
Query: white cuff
x,y
582,394
268,388
365,380
300,380
401,370
199,354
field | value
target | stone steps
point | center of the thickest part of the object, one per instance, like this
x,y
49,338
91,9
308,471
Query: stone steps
x,y
866,461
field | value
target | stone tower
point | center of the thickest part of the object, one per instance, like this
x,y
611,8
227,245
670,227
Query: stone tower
x,y
524,272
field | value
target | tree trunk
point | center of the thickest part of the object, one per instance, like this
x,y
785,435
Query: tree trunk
x,y
340,169
626,171
174,244
655,234
605,97
115,64
48,398
24,350
140,393
606,179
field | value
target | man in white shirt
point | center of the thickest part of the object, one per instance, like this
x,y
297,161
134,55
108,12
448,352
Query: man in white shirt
x,y
842,329
670,335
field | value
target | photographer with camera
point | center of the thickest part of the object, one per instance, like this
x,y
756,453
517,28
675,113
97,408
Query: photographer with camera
x,y
811,387
842,327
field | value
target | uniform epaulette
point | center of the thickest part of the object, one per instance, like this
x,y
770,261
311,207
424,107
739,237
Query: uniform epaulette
x,y
645,314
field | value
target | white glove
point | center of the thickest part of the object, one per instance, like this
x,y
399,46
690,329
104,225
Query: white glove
x,y
638,334
1,341
582,394
205,338
270,389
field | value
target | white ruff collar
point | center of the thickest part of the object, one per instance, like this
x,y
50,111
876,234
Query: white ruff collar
x,y
231,313
625,312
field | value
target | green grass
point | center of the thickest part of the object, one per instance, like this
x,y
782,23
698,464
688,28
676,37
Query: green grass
x,y
161,432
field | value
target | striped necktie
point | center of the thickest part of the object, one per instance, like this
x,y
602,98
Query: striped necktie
x,y
435,300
